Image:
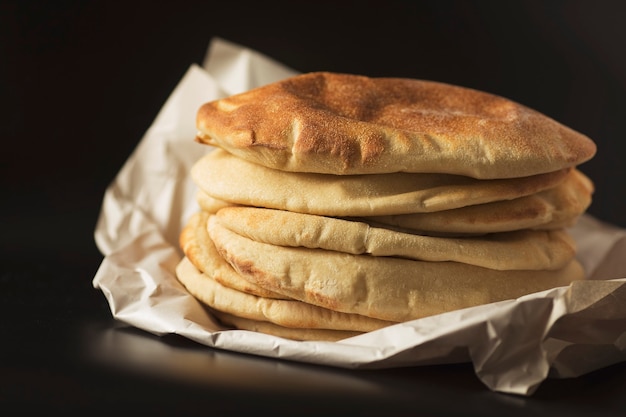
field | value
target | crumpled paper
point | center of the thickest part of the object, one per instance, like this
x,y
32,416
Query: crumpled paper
x,y
513,345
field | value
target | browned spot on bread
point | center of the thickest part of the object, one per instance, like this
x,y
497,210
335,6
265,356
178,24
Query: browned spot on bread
x,y
317,298
247,269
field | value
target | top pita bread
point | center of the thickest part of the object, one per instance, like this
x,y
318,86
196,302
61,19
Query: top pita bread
x,y
348,124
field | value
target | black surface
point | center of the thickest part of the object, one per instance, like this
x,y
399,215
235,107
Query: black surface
x,y
80,82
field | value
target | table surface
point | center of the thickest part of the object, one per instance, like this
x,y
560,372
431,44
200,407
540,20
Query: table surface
x,y
83,81
62,351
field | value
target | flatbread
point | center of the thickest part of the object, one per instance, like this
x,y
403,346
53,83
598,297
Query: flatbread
x,y
551,209
210,204
236,181
349,124
556,208
285,313
197,246
385,288
323,335
523,249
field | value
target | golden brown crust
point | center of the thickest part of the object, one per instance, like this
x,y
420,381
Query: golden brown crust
x,y
349,124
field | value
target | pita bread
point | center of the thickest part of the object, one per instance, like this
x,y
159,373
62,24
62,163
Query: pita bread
x,y
199,249
552,209
385,288
325,335
231,179
210,204
348,124
523,249
285,313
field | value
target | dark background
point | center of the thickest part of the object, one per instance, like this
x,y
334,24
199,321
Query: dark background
x,y
81,81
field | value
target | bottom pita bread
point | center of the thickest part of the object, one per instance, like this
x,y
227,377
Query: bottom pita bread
x,y
284,313
324,335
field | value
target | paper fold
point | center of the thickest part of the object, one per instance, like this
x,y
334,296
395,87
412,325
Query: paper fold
x,y
513,345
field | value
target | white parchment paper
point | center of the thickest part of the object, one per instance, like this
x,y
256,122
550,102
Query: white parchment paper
x,y
513,345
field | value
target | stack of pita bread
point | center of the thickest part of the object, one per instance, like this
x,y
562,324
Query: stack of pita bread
x,y
337,204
